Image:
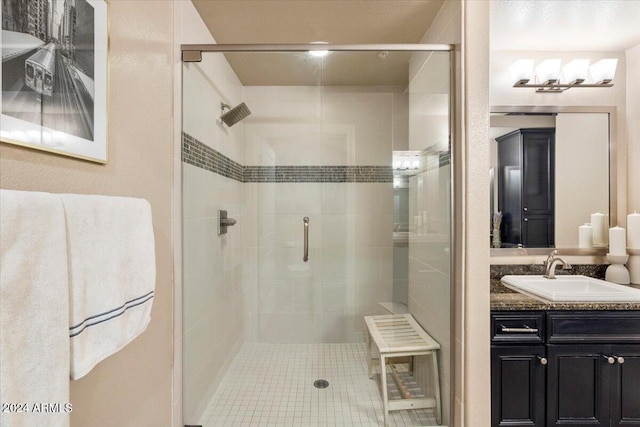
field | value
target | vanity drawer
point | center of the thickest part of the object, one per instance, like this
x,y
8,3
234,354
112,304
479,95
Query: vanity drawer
x,y
593,327
517,327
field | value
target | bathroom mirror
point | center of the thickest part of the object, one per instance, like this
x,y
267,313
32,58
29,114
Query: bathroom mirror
x,y
551,168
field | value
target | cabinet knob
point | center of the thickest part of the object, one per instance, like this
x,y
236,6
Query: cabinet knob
x,y
620,359
525,209
543,360
526,219
610,359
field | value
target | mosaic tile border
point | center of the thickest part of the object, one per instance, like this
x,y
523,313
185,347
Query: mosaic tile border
x,y
430,161
201,155
198,154
318,174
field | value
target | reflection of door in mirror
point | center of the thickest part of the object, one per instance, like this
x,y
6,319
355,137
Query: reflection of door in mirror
x,y
549,187
526,186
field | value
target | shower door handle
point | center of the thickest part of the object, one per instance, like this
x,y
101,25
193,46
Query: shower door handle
x,y
305,255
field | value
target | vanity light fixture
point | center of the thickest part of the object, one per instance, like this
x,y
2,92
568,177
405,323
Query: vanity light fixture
x,y
406,162
548,79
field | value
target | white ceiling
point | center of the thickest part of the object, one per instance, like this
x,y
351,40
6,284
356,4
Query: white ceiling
x,y
565,25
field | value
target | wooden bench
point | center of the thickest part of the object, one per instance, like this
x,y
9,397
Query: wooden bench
x,y
397,336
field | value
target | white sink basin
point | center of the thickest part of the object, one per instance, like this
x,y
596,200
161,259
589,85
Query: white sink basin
x,y
572,288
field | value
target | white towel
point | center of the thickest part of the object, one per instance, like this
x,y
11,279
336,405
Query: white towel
x,y
112,275
34,314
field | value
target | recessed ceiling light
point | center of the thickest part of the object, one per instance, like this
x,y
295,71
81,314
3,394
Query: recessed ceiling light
x,y
318,53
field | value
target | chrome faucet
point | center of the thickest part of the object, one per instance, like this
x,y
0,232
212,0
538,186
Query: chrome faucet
x,y
550,265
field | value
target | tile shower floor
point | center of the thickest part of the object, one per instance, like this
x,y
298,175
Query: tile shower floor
x,y
272,385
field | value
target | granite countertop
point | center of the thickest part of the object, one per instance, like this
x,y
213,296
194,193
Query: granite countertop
x,y
503,298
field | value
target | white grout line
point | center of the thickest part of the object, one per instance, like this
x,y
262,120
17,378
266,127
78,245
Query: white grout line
x,y
272,385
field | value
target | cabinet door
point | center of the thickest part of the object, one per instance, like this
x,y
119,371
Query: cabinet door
x,y
538,172
517,386
510,186
538,231
578,385
625,393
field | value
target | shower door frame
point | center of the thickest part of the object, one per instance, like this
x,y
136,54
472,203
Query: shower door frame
x,y
193,53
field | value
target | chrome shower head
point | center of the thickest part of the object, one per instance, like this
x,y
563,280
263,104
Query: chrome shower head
x,y
235,114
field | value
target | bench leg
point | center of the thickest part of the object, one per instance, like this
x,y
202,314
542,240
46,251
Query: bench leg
x,y
436,380
370,357
383,383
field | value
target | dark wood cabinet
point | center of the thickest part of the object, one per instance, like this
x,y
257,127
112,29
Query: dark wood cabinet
x,y
518,359
592,377
578,386
596,385
526,194
625,387
518,385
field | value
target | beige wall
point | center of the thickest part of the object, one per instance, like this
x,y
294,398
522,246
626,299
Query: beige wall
x,y
132,387
633,129
582,173
472,342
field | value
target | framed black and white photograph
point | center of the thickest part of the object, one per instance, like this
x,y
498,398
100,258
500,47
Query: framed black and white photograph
x,y
54,76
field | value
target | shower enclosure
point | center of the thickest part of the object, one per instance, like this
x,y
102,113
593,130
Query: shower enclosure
x,y
303,146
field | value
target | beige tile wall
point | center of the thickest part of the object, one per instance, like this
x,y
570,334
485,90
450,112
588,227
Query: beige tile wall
x,y
350,260
429,202
351,252
209,299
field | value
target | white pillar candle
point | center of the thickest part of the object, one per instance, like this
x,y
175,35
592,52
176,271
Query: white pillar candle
x,y
585,236
599,227
633,230
617,241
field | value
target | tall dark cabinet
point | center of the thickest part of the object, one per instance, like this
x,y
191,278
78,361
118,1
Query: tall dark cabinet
x,y
526,187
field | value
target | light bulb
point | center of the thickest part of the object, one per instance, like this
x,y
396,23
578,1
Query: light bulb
x,y
576,71
548,71
521,71
604,70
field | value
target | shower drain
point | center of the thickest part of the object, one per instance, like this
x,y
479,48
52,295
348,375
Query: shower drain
x,y
321,383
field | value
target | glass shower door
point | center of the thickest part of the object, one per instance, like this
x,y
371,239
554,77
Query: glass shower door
x,y
309,177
